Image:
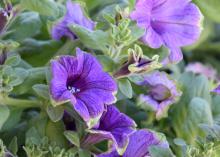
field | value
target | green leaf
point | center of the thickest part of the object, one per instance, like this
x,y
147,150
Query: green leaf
x,y
209,8
43,7
156,151
13,119
97,40
125,87
27,24
55,113
13,146
54,131
4,112
200,111
73,137
33,134
13,60
84,153
42,90
200,86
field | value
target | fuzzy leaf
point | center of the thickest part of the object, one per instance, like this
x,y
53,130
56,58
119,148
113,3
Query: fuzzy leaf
x,y
73,137
125,87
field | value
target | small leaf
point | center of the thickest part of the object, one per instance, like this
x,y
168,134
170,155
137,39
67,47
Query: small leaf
x,y
13,60
4,112
42,91
54,131
55,113
179,142
13,146
200,111
156,151
125,87
73,137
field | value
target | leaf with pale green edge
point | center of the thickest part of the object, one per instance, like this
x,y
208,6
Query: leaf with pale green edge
x,y
209,8
13,145
73,137
13,60
5,113
97,39
55,113
42,90
26,24
156,151
125,87
43,7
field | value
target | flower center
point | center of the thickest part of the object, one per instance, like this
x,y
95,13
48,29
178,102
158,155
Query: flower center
x,y
72,84
73,90
159,92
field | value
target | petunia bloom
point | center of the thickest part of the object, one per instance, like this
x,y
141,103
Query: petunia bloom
x,y
161,94
113,126
199,68
82,81
74,15
171,23
217,90
139,144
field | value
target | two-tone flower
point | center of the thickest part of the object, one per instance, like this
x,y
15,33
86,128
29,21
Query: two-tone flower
x,y
139,144
113,126
74,15
82,81
171,23
137,63
162,92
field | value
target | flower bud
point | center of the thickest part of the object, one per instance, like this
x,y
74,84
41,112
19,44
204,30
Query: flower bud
x,y
137,63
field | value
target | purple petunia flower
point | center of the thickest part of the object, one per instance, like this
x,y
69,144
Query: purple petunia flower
x,y
113,126
161,94
139,144
172,23
82,81
199,68
74,15
217,90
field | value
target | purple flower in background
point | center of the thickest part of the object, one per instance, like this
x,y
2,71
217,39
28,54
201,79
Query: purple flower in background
x,y
161,94
114,126
3,20
199,68
82,81
139,144
217,90
74,15
172,23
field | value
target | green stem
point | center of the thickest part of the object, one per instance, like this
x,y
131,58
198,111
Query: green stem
x,y
19,102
